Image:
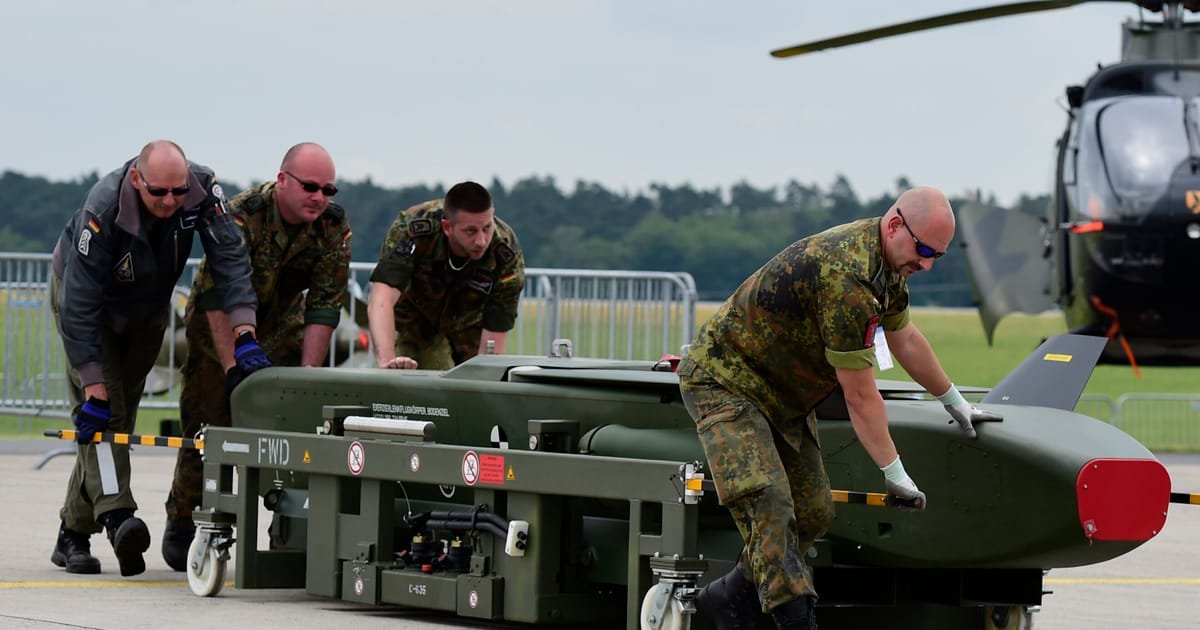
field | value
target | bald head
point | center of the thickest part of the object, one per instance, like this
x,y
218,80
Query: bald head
x,y
160,151
307,152
162,167
924,204
922,213
305,183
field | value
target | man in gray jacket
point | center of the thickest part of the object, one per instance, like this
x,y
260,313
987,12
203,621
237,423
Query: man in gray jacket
x,y
115,269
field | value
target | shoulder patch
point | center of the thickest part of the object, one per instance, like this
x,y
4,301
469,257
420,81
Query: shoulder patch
x,y
218,199
420,227
505,254
85,242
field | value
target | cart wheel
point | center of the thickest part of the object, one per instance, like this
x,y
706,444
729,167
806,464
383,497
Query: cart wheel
x,y
205,581
672,618
1008,618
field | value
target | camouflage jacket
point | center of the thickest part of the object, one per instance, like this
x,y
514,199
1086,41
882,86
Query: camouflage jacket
x,y
299,272
415,260
119,265
812,308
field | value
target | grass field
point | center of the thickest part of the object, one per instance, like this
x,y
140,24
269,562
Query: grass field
x,y
957,338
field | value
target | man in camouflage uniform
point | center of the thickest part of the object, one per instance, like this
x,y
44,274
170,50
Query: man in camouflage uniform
x,y
298,240
801,326
115,269
447,283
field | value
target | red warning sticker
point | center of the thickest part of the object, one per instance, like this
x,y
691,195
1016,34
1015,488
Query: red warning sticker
x,y
491,469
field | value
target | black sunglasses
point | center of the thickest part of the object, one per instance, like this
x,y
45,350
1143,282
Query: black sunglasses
x,y
158,191
923,250
328,190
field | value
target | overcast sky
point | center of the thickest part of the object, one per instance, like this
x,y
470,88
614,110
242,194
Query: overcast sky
x,y
623,92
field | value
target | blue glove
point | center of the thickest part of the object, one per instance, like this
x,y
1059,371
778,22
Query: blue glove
x,y
93,417
249,355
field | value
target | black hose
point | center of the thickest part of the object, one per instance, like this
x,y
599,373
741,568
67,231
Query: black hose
x,y
462,521
466,526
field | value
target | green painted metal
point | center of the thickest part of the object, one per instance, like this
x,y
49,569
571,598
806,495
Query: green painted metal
x,y
602,492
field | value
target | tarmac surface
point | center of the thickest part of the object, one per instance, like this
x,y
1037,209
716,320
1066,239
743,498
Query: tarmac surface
x,y
1156,586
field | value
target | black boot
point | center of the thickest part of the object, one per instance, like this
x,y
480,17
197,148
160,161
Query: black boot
x,y
731,601
176,539
797,614
129,538
74,552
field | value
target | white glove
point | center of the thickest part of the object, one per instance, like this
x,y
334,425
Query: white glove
x,y
964,413
902,486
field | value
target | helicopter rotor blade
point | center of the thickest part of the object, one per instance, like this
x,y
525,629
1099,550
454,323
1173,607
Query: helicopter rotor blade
x,y
924,24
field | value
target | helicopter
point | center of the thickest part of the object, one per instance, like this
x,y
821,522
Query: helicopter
x,y
1118,245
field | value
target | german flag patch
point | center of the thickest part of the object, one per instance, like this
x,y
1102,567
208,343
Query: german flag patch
x,y
239,220
508,276
94,225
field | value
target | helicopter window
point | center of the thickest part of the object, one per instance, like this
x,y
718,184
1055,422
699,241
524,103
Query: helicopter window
x,y
1067,156
1150,78
1185,83
1141,141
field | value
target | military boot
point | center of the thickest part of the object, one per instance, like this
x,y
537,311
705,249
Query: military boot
x,y
74,552
798,614
177,537
730,601
129,538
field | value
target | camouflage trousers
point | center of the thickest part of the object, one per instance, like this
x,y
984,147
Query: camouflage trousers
x,y
126,358
437,351
201,403
778,495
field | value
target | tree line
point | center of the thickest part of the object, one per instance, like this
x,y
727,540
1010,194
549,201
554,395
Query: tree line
x,y
719,236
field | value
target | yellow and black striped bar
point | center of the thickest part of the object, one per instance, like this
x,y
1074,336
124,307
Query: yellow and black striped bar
x,y
877,499
874,499
129,438
1185,498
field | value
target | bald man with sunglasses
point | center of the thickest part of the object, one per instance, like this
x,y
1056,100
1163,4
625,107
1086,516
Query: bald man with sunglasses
x,y
115,268
298,241
812,319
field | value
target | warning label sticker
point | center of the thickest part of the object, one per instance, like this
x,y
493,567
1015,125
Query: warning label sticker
x,y
491,469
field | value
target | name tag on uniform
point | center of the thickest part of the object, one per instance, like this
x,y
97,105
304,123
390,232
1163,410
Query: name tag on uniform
x,y
187,219
882,354
481,283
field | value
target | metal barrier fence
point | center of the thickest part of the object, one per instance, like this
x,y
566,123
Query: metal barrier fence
x,y
1161,421
606,314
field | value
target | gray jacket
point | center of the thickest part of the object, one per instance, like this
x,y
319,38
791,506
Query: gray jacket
x,y
119,265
